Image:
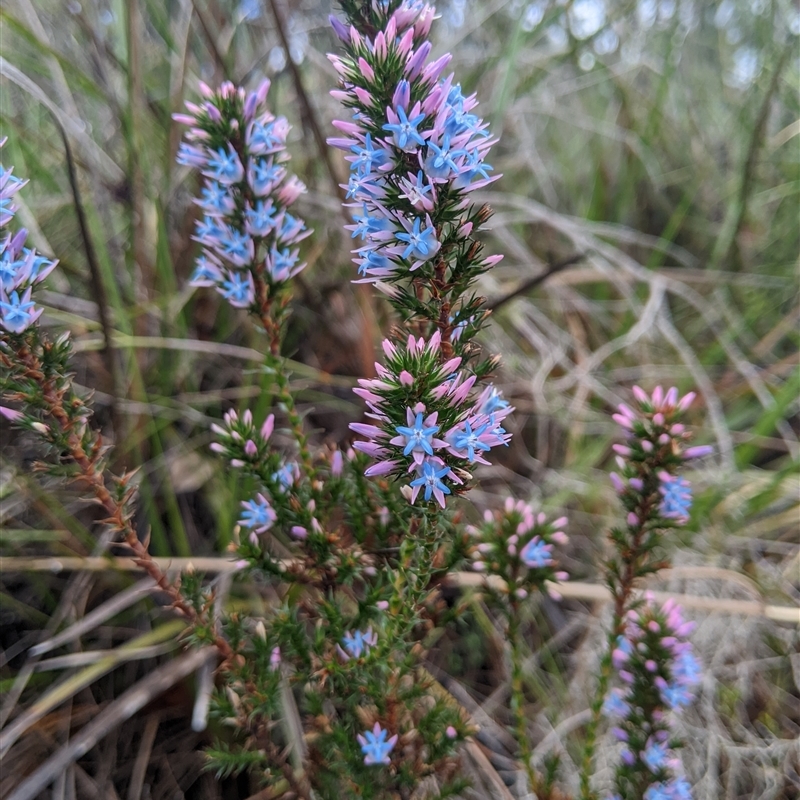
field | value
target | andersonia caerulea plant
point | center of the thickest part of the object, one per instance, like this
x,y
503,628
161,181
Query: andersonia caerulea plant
x,y
325,694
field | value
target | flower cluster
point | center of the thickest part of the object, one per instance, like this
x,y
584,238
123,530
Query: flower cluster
x,y
21,268
425,424
239,440
416,150
658,671
653,495
655,440
517,545
248,235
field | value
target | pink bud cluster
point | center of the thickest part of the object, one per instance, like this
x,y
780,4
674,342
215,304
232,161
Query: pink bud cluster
x,y
517,544
240,440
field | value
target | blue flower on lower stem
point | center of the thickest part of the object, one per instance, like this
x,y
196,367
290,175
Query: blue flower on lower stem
x,y
677,498
16,313
367,224
440,162
9,270
284,477
358,643
258,514
375,746
206,272
261,137
263,175
260,220
536,554
209,232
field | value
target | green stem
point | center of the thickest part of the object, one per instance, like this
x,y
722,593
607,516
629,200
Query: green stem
x,y
414,570
286,399
603,681
518,693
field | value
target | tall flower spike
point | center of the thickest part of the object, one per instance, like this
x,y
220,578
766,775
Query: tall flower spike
x,y
247,234
416,151
21,268
658,673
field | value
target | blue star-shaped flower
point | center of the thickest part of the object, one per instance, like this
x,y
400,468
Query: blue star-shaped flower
x,y
615,705
237,289
263,175
418,438
367,157
9,268
431,479
358,643
440,162
374,262
258,514
282,263
536,554
16,314
686,669
215,199
225,167
655,756
367,224
405,131
677,501
236,246
261,218
658,791
360,185
375,746
676,696
209,231
422,245
469,440
261,138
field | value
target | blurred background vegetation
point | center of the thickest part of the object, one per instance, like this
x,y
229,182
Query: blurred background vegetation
x,y
648,215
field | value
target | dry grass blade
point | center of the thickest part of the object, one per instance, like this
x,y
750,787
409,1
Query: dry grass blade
x,y
143,756
66,689
121,709
96,617
89,147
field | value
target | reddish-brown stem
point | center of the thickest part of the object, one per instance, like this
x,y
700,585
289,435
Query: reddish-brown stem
x,y
91,474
